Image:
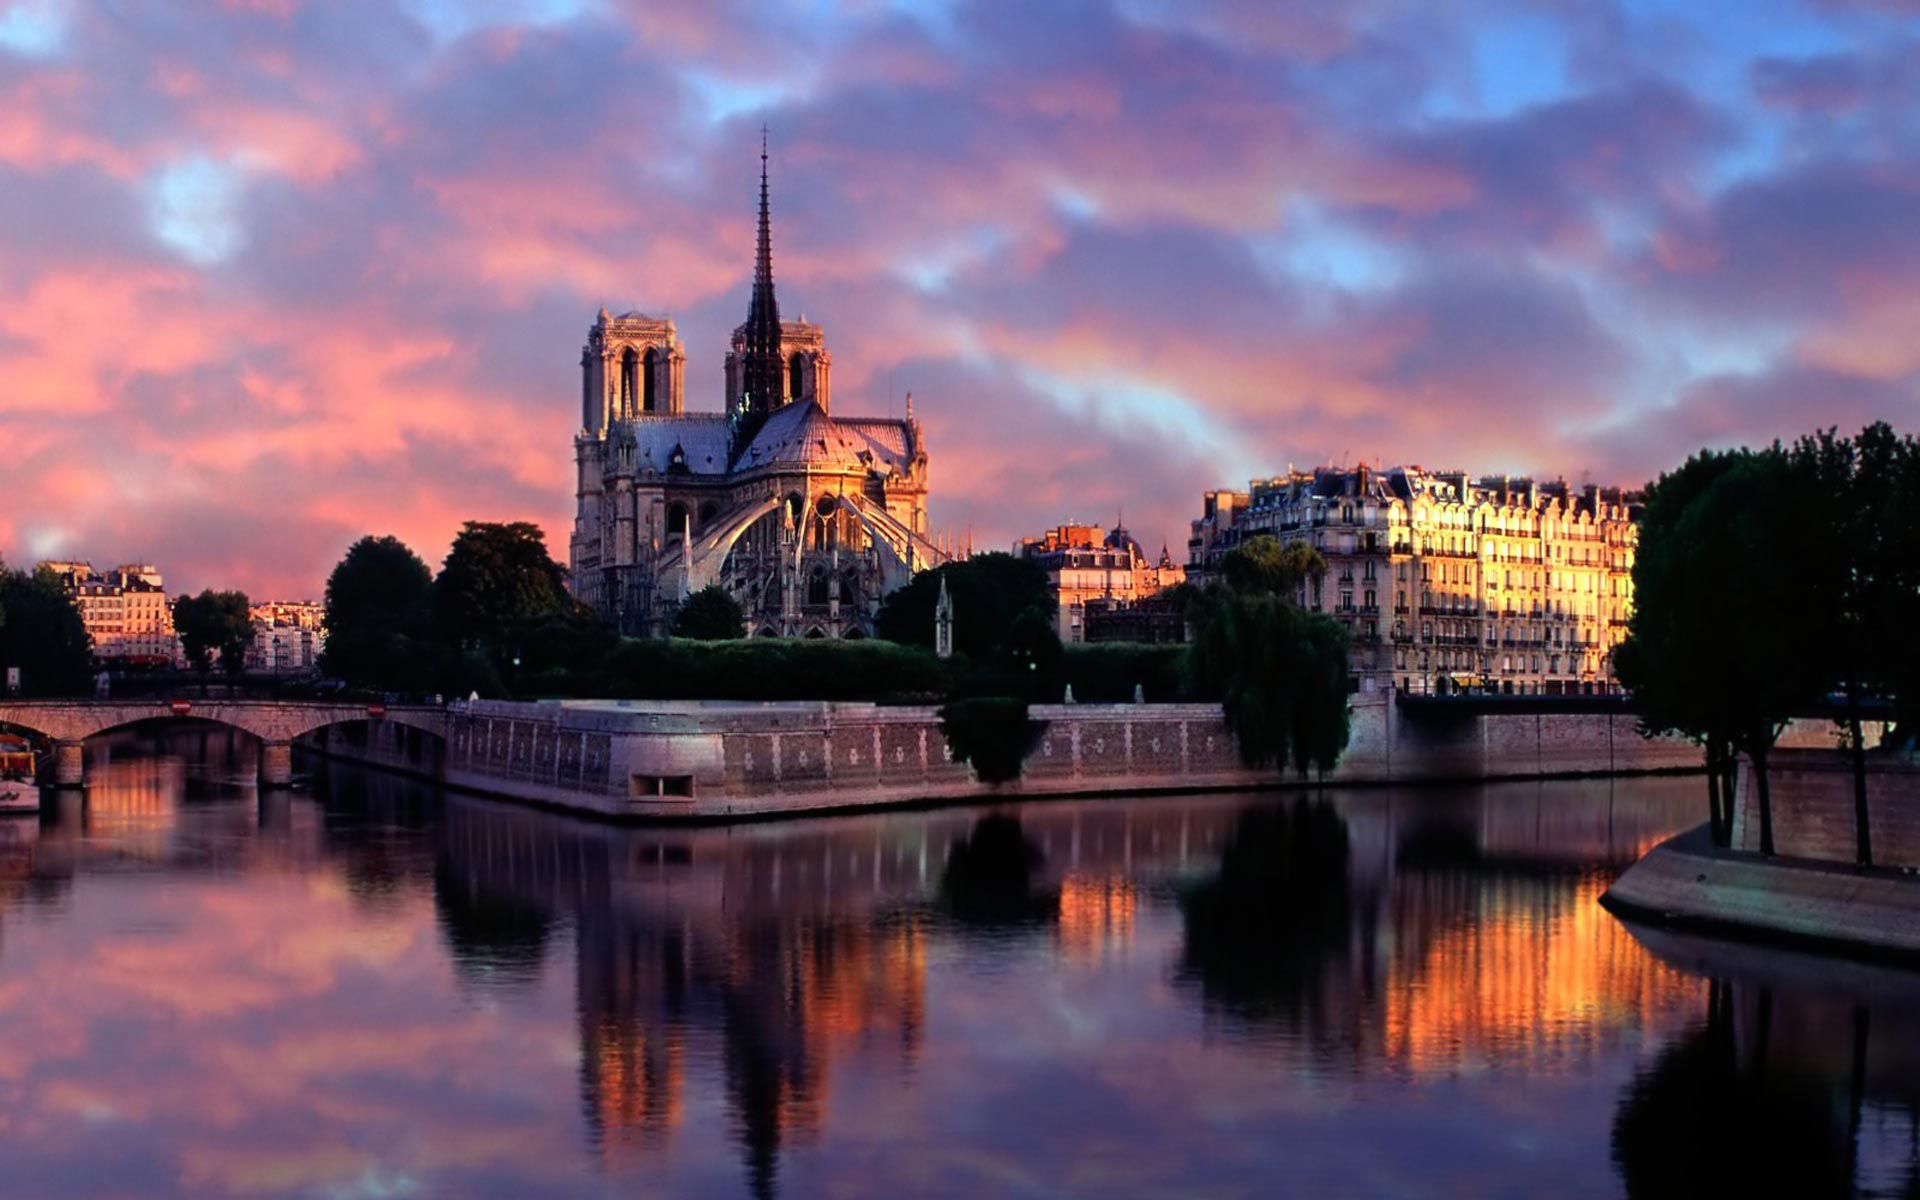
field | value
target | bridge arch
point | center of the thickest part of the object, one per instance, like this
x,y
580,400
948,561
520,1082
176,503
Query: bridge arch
x,y
276,723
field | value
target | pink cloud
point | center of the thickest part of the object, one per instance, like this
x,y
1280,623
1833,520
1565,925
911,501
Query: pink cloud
x,y
1263,216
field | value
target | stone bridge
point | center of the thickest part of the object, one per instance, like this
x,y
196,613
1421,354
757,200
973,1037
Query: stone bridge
x,y
69,723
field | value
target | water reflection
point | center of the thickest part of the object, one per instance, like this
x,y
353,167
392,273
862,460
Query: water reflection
x,y
742,950
1798,1079
990,878
1426,935
361,987
1270,936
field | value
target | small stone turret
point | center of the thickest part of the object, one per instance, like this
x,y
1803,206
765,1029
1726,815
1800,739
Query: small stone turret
x,y
943,622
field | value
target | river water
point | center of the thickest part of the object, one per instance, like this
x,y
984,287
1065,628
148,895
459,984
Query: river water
x,y
365,988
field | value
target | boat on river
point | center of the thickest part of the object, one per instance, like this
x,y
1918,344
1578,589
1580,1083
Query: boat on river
x,y
18,792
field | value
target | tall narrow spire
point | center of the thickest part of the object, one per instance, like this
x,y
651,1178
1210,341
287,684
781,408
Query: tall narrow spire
x,y
763,249
761,367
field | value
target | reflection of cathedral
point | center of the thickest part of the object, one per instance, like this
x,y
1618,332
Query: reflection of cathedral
x,y
806,518
750,959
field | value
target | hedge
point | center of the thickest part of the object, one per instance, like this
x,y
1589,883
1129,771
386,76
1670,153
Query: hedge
x,y
1106,672
767,669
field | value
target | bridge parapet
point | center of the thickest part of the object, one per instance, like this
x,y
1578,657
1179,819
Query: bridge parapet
x,y
276,723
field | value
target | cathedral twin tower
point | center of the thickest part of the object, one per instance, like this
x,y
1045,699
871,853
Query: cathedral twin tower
x,y
807,519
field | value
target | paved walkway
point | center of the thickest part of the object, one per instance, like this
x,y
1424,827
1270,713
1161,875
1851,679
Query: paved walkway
x,y
1687,882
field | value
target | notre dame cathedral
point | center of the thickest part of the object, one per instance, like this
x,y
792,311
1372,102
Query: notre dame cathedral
x,y
808,519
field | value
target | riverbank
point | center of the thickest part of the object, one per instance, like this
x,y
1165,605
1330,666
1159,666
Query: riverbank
x,y
1688,883
722,761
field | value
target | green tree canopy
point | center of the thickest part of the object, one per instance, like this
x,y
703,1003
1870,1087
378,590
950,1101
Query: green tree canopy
x,y
498,584
710,615
991,733
1859,497
1863,499
1263,564
1887,551
1281,677
42,634
1656,661
990,592
379,618
1730,555
214,623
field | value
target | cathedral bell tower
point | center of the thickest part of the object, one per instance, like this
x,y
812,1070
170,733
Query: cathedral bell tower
x,y
631,366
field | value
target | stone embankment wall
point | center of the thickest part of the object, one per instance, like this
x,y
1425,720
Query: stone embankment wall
x,y
386,744
1812,799
655,759
1686,882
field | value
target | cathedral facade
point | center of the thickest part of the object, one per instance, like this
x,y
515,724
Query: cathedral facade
x,y
805,517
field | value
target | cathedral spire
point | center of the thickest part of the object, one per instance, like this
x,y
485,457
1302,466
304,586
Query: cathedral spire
x,y
764,304
761,362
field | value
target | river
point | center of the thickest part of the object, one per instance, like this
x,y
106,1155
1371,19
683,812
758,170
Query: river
x,y
362,987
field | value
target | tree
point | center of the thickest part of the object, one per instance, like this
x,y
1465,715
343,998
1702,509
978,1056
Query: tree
x,y
1731,555
1664,654
43,636
498,584
214,623
1032,657
710,615
1321,718
1279,672
1281,677
992,733
1861,496
1886,558
1263,564
379,618
990,592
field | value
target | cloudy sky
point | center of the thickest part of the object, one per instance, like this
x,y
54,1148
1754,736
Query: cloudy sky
x,y
276,273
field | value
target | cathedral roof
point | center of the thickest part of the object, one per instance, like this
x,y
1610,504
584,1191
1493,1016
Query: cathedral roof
x,y
701,438
794,435
803,435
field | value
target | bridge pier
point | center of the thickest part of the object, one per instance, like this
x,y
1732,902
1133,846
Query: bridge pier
x,y
69,763
276,763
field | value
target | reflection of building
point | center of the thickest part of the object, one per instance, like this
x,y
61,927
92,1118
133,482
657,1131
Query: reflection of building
x,y
1096,914
1447,581
804,517
1519,965
288,636
125,611
1087,565
1436,937
745,952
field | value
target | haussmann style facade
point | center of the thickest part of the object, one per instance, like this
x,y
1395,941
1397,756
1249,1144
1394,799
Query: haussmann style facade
x,y
1091,569
805,517
1449,582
